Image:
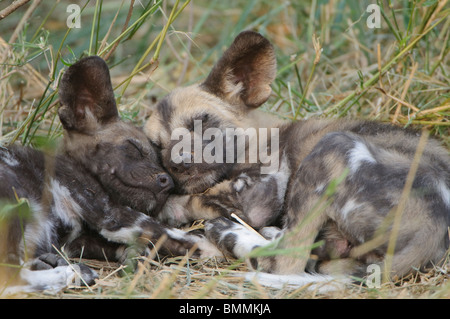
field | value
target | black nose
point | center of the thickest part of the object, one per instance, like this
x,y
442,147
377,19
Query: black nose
x,y
164,181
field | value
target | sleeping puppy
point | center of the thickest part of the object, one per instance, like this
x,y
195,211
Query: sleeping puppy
x,y
338,188
94,198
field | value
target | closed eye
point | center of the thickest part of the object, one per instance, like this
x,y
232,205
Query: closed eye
x,y
138,146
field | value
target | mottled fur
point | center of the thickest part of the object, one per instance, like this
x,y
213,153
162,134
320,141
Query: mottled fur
x,y
95,197
371,159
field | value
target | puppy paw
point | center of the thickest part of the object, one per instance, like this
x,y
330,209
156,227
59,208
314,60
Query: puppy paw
x,y
231,238
47,261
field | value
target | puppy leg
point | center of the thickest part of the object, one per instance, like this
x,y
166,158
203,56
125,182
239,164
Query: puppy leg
x,y
254,197
309,202
51,273
233,239
53,280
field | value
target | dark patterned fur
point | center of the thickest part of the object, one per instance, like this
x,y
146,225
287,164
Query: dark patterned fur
x,y
94,198
371,160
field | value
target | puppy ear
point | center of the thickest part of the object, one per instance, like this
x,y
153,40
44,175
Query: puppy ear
x,y
244,73
87,97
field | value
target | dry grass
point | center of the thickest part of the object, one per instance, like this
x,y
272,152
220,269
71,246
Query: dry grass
x,y
175,278
212,279
397,73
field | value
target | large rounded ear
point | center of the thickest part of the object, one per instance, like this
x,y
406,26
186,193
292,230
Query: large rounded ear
x,y
87,97
244,73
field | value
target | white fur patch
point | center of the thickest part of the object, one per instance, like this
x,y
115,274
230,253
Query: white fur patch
x,y
9,159
52,280
239,185
444,191
65,207
125,235
271,232
49,280
39,229
242,181
176,233
359,154
320,188
282,178
349,207
246,240
320,283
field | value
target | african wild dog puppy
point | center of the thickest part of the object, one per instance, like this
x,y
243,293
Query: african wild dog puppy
x,y
96,195
371,159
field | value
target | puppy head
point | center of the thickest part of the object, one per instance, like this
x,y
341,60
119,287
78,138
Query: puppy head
x,y
201,114
118,154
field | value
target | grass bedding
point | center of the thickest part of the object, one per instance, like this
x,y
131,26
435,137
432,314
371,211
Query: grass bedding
x,y
331,63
